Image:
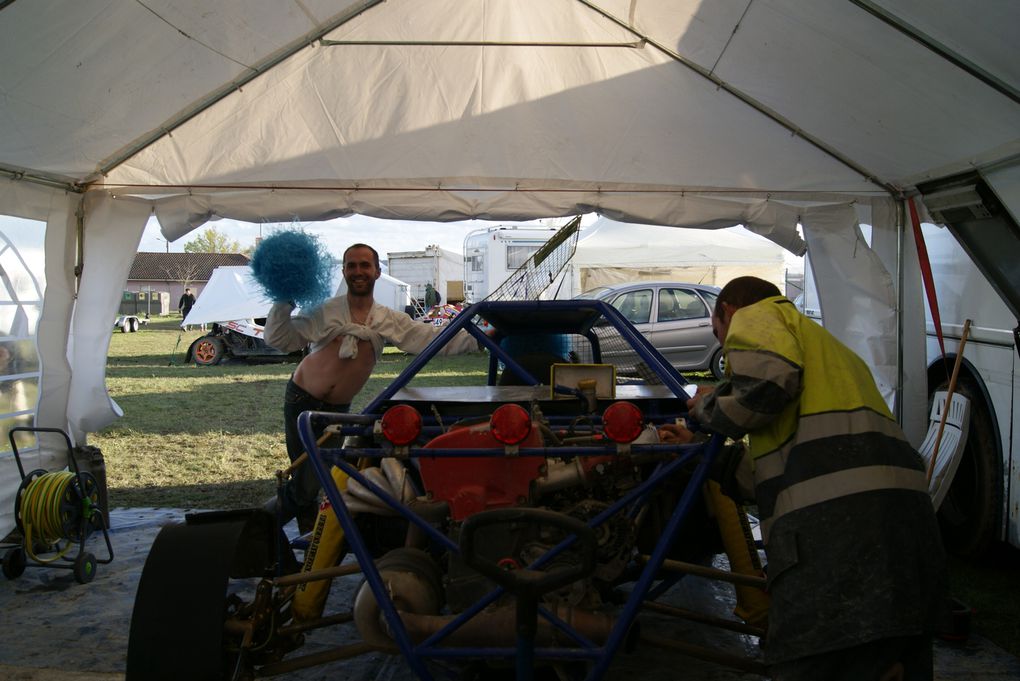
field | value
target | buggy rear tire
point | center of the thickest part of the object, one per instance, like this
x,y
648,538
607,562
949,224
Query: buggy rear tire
x,y
207,351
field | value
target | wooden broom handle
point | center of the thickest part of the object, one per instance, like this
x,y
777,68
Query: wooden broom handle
x,y
949,398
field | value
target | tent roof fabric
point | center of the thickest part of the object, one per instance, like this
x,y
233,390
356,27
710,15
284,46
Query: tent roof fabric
x,y
527,97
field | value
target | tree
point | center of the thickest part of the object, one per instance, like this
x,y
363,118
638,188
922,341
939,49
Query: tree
x,y
211,240
185,274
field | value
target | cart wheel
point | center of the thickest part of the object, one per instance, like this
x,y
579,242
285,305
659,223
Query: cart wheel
x,y
85,567
14,562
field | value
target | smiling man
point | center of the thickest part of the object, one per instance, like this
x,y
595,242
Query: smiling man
x,y
345,338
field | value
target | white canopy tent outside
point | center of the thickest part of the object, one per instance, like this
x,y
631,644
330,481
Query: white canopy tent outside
x,y
672,112
611,252
232,293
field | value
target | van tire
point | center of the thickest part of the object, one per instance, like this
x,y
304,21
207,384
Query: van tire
x,y
971,513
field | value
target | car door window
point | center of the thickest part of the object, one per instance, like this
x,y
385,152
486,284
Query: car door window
x,y
677,304
710,298
636,306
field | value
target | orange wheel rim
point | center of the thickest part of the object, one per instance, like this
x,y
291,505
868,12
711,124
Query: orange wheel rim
x,y
205,351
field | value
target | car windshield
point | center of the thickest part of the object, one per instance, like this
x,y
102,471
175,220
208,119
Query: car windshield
x,y
595,293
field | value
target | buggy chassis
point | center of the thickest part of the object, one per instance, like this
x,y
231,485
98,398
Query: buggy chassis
x,y
463,535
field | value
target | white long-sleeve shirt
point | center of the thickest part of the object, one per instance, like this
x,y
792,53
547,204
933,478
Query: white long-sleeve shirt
x,y
288,333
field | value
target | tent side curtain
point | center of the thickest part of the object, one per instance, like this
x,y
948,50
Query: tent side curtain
x,y
774,217
54,209
113,230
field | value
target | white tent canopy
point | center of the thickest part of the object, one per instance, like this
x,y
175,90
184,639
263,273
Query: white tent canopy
x,y
232,293
671,112
611,252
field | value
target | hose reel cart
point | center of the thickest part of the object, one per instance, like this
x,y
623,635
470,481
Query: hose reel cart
x,y
55,511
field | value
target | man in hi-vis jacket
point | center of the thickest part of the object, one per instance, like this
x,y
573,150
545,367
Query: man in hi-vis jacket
x,y
856,568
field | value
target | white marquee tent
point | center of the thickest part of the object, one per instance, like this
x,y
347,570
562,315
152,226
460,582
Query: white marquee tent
x,y
611,252
233,293
701,113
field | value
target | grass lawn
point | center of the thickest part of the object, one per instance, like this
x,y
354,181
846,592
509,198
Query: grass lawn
x,y
212,437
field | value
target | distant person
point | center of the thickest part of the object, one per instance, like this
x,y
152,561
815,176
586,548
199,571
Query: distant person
x,y
856,569
432,297
346,336
185,304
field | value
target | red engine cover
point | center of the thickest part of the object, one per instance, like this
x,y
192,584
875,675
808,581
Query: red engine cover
x,y
473,484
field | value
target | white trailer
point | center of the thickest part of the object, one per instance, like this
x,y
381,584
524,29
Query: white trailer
x,y
434,265
492,254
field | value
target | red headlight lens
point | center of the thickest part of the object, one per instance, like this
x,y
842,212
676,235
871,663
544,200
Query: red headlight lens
x,y
510,424
401,424
623,422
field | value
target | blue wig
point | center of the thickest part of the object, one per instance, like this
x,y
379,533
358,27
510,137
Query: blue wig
x,y
294,266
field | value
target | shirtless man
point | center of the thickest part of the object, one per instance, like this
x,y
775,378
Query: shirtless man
x,y
346,335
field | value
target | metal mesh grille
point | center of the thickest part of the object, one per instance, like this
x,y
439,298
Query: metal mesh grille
x,y
541,270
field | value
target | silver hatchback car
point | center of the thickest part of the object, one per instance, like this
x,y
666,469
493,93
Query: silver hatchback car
x,y
675,317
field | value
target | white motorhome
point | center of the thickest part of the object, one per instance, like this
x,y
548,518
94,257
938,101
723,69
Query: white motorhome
x,y
983,504
492,254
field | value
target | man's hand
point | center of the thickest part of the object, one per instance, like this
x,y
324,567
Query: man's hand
x,y
674,434
702,391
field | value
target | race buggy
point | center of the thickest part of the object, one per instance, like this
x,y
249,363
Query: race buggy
x,y
237,339
519,527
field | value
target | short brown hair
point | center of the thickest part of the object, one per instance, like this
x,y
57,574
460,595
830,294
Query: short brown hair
x,y
744,291
375,253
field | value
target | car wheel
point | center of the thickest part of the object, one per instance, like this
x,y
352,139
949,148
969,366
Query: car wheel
x,y
971,512
718,365
132,325
206,351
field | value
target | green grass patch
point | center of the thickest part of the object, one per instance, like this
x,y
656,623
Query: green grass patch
x,y
212,437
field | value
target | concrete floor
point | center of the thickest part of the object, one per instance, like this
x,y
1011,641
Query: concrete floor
x,y
54,628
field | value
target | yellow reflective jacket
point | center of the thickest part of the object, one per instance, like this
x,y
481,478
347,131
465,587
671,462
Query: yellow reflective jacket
x,y
849,529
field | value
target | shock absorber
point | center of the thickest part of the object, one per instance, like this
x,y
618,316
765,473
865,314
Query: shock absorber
x,y
752,602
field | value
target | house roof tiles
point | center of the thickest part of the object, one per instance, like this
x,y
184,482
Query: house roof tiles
x,y
189,267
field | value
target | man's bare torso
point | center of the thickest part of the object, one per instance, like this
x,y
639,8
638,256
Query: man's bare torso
x,y
325,376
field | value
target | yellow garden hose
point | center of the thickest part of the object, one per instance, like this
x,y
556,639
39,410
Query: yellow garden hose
x,y
52,508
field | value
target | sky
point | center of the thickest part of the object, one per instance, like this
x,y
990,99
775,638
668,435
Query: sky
x,y
386,236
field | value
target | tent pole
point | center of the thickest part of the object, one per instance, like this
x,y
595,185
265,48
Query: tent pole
x,y
939,48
